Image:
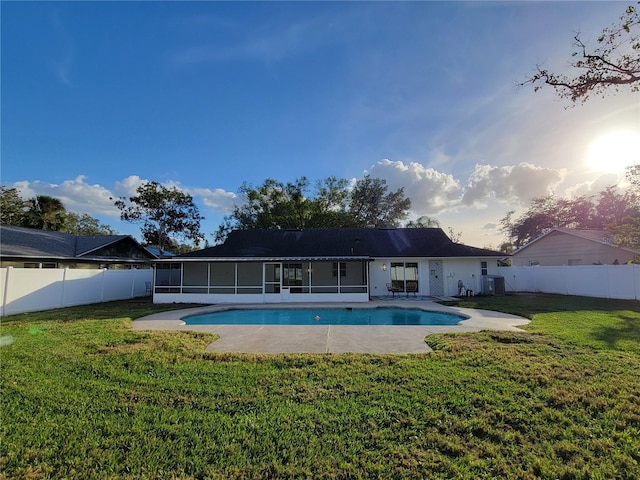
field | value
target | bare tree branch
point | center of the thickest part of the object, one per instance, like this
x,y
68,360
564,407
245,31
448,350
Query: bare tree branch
x,y
614,64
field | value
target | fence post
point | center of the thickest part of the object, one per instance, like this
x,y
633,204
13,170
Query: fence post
x,y
104,271
64,280
5,294
133,282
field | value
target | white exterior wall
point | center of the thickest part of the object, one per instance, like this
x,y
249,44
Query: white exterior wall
x,y
605,281
468,271
379,278
283,297
453,269
30,289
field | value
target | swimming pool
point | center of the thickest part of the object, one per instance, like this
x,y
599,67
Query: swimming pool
x,y
320,316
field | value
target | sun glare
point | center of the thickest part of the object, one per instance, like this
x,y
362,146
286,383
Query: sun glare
x,y
614,151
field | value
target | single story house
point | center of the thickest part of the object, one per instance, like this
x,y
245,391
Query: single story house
x,y
567,246
324,265
32,248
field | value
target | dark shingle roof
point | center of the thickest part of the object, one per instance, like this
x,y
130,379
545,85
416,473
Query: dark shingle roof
x,y
19,242
339,243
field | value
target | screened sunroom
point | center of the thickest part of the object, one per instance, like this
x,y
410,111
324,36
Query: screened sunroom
x,y
275,281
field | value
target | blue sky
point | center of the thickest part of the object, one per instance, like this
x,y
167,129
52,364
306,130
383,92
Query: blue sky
x,y
100,96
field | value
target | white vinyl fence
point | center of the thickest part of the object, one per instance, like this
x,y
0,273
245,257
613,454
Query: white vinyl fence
x,y
31,289
605,281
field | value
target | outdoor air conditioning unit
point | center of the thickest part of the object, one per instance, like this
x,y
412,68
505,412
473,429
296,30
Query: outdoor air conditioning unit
x,y
493,285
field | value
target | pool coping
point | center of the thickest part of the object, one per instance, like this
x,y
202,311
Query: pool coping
x,y
329,338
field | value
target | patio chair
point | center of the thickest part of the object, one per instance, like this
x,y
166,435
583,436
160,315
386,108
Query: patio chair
x,y
393,289
412,287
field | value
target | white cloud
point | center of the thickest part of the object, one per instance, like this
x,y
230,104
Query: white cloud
x,y
593,187
513,183
128,186
79,196
430,191
76,195
433,192
219,200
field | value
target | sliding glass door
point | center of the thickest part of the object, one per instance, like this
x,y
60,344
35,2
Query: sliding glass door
x,y
403,274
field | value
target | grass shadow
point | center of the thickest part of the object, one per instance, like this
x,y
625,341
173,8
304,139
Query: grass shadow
x,y
601,323
626,330
529,304
130,308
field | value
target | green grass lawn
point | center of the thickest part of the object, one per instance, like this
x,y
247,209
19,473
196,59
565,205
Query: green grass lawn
x,y
83,396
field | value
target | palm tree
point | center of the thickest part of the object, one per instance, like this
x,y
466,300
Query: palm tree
x,y
45,213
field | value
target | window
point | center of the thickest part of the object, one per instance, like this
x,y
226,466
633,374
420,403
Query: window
x,y
292,274
292,278
483,268
343,269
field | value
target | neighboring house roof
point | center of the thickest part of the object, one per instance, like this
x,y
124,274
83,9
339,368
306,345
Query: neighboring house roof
x,y
338,243
30,243
594,235
155,251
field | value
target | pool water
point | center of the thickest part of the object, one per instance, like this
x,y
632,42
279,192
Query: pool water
x,y
344,316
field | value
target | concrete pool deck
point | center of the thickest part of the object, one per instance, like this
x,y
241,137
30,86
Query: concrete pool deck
x,y
329,338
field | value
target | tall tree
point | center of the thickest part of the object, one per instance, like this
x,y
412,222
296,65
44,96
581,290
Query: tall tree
x,y
456,237
632,174
424,222
618,213
624,211
12,207
330,207
613,65
333,204
372,206
84,224
543,214
613,206
45,213
273,205
164,212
